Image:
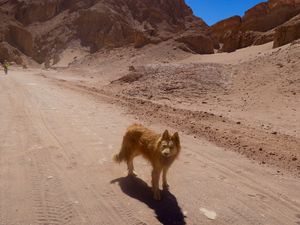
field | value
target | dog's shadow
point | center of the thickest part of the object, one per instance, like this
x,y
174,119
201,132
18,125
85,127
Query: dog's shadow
x,y
167,210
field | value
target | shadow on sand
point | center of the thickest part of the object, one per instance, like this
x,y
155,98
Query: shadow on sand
x,y
167,210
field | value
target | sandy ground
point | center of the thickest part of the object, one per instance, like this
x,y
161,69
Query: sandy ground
x,y
56,145
246,101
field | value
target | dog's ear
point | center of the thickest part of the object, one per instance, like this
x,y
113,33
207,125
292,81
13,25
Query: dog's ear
x,y
165,134
176,139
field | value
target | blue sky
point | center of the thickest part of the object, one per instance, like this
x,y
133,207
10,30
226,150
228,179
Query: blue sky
x,y
212,11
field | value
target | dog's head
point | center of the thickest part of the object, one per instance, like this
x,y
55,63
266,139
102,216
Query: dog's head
x,y
169,145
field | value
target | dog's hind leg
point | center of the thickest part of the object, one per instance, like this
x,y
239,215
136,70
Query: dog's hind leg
x,y
130,166
124,153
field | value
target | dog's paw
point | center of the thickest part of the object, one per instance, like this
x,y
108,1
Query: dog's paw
x,y
157,195
166,186
132,174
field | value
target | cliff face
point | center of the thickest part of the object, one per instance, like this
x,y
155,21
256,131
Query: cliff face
x,y
42,28
257,26
287,32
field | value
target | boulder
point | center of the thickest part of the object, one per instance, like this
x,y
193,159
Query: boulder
x,y
264,37
9,53
231,41
28,12
198,42
234,40
141,39
22,39
219,29
288,32
100,26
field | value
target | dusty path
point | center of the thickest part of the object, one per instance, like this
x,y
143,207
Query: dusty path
x,y
55,168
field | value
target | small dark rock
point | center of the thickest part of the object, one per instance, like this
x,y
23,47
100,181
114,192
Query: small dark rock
x,y
279,65
131,68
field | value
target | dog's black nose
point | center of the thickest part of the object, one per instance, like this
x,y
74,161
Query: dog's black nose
x,y
166,154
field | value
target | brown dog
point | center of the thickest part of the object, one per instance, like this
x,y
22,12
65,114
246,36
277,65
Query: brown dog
x,y
159,150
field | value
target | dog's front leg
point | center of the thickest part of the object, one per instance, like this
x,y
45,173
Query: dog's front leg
x,y
164,178
155,183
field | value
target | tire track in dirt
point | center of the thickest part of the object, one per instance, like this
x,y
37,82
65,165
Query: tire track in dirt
x,y
50,201
13,145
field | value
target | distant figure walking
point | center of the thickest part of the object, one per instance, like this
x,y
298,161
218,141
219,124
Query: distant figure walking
x,y
5,66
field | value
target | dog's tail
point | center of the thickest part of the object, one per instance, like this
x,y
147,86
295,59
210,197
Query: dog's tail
x,y
118,157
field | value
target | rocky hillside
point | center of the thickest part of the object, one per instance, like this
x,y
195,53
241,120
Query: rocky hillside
x,y
42,29
276,20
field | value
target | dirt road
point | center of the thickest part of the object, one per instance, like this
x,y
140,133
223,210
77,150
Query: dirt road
x,y
55,168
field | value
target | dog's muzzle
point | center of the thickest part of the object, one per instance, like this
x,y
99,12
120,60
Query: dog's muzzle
x,y
166,152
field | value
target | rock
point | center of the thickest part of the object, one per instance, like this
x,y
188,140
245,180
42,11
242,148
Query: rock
x,y
253,15
288,32
209,214
183,47
115,23
219,29
140,39
100,27
28,12
98,24
264,38
248,38
4,22
268,15
22,39
9,53
132,68
235,40
198,42
231,41
258,25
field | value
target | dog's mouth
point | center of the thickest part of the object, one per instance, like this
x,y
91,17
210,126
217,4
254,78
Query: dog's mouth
x,y
166,155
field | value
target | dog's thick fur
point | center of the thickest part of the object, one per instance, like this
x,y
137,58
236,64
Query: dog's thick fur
x,y
159,150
